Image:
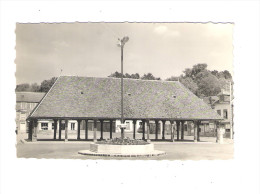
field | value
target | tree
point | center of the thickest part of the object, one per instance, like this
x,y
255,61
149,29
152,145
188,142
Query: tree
x,y
116,75
190,84
192,73
208,82
149,76
127,75
47,84
202,74
227,75
23,88
135,76
222,74
214,72
208,86
35,87
173,78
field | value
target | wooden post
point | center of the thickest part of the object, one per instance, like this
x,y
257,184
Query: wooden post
x,y
111,129
79,121
148,131
178,130
215,130
172,131
195,130
101,130
95,131
66,130
35,130
156,129
163,132
59,129
143,121
55,128
30,130
86,129
134,123
198,131
182,130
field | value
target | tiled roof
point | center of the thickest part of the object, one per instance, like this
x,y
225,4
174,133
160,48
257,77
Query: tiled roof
x,y
88,97
29,96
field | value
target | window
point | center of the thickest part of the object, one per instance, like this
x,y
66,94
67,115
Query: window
x,y
32,105
226,98
225,113
23,104
44,126
72,126
22,116
221,98
219,112
127,125
52,126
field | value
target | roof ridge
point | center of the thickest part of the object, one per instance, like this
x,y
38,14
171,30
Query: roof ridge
x,y
30,92
118,78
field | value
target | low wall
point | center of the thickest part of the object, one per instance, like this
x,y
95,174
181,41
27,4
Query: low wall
x,y
121,149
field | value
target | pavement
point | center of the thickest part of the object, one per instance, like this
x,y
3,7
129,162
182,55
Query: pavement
x,y
206,149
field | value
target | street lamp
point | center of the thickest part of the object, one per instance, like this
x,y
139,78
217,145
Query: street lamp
x,y
122,44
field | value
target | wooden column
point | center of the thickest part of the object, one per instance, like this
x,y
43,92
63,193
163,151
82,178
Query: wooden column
x,y
30,130
60,129
134,123
55,128
79,121
111,129
172,131
163,132
66,130
101,129
35,130
198,131
148,131
216,130
178,130
195,130
182,130
156,129
143,121
95,131
86,129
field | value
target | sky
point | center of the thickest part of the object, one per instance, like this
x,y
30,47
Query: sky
x,y
46,50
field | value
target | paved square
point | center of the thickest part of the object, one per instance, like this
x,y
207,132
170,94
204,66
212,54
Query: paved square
x,y
207,149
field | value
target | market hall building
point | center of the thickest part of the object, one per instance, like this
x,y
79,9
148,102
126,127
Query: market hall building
x,y
98,100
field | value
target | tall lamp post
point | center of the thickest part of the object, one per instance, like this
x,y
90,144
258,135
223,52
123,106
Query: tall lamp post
x,y
121,45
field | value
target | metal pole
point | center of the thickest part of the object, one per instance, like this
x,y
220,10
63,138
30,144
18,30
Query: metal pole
x,y
122,91
122,43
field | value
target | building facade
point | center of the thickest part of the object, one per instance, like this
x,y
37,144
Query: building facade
x,y
223,105
25,103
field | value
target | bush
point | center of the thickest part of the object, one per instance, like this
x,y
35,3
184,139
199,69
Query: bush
x,y
125,141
